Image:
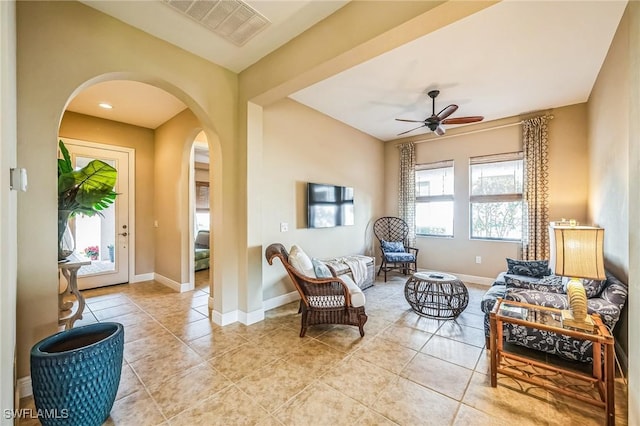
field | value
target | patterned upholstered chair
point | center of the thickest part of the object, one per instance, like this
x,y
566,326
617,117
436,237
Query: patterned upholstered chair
x,y
606,298
202,252
396,254
326,300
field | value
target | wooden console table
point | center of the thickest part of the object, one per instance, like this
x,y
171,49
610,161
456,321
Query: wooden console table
x,y
596,389
69,271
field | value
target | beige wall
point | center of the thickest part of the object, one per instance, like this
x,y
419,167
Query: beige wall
x,y
171,197
81,46
93,129
567,165
614,199
609,147
296,152
8,203
633,333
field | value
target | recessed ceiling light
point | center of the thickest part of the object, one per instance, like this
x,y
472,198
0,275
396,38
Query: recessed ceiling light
x,y
105,105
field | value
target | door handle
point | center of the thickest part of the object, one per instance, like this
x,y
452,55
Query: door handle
x,y
124,234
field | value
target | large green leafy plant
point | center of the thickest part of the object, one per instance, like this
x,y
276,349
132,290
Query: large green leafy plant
x,y
87,191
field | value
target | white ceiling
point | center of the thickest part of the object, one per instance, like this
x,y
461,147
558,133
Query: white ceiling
x,y
511,58
134,103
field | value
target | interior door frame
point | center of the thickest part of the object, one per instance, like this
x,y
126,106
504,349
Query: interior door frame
x,y
131,211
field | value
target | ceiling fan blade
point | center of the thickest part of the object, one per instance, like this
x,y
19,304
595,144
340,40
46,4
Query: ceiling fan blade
x,y
410,130
447,111
463,120
439,131
410,121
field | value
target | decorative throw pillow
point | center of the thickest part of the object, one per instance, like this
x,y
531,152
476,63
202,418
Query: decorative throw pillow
x,y
321,269
392,246
300,261
594,287
529,268
550,284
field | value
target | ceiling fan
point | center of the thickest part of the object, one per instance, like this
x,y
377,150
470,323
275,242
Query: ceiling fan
x,y
435,122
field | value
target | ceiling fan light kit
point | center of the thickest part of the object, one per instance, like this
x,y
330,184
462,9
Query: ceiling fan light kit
x,y
436,121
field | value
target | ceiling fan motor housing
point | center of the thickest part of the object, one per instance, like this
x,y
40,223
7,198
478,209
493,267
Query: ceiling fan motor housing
x,y
433,126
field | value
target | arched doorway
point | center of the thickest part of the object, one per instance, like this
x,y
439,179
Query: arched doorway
x,y
161,138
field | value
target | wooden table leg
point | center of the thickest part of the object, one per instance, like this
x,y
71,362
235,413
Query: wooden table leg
x,y
71,275
609,378
597,361
492,344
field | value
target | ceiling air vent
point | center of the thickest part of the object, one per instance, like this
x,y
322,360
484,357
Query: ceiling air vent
x,y
233,20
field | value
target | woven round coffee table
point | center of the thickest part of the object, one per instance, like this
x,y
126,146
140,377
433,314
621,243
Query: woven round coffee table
x,y
436,294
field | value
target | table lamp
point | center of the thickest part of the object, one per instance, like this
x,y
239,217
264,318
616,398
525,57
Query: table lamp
x,y
577,252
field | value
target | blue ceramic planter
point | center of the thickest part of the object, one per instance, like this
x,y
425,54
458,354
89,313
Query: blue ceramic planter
x,y
75,374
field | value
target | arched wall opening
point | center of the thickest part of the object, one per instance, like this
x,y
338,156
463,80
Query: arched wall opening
x,y
163,189
196,121
200,211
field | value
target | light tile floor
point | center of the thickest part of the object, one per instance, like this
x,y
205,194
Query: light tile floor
x,y
181,369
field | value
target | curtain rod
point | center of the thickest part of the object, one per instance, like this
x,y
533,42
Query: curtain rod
x,y
471,132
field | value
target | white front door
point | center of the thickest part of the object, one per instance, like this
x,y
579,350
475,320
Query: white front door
x,y
103,239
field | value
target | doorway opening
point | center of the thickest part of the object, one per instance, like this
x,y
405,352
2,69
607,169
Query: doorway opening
x,y
104,239
200,212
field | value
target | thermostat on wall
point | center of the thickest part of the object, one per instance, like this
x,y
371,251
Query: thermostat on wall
x,y
18,179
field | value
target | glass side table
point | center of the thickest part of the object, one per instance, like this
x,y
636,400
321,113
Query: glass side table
x,y
595,389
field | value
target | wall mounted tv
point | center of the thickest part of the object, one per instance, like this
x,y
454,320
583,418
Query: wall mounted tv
x,y
329,205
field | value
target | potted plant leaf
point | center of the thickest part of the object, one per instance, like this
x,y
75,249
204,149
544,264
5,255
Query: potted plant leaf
x,y
87,191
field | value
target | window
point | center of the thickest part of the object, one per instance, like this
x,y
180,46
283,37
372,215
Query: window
x,y
496,196
434,199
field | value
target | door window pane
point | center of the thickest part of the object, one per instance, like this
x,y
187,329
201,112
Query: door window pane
x,y
95,236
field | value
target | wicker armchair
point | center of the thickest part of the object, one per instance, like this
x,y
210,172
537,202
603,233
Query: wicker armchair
x,y
323,300
396,254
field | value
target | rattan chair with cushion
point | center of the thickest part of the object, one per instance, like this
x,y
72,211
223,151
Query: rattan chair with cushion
x,y
326,300
392,233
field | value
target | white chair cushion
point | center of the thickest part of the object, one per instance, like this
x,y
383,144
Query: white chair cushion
x,y
357,296
301,262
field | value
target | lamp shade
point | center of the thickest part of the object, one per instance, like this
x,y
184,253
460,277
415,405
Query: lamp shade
x,y
577,251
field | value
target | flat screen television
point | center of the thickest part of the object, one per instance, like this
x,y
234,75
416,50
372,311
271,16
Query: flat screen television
x,y
329,205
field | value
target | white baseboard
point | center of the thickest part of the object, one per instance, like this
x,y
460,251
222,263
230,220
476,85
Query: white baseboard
x,y
274,302
24,387
248,318
174,285
225,319
143,277
476,280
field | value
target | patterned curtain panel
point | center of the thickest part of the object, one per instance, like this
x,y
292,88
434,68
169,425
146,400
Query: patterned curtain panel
x,y
407,190
535,218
